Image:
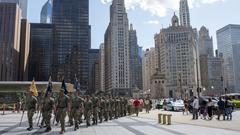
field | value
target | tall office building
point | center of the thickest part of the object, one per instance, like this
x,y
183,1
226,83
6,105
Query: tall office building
x,y
23,4
228,41
94,71
215,78
46,13
117,51
205,47
10,27
178,58
135,60
184,13
149,67
41,51
24,50
102,67
205,42
71,40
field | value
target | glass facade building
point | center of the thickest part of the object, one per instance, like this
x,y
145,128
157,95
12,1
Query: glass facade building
x,y
41,51
228,40
71,40
46,13
23,4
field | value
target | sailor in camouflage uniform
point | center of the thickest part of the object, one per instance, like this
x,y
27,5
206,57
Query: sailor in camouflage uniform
x,y
31,107
48,105
77,103
62,105
88,107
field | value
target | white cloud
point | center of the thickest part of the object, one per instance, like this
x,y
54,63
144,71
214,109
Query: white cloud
x,y
161,7
152,22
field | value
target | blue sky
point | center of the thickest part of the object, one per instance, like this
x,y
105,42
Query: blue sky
x,y
149,16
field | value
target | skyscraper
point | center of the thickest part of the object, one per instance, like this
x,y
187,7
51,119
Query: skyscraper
x,y
46,13
10,27
184,13
41,51
24,50
94,72
135,60
71,40
228,41
178,58
102,67
149,66
117,51
23,4
205,47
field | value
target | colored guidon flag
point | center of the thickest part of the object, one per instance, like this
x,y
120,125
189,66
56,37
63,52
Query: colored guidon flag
x,y
33,88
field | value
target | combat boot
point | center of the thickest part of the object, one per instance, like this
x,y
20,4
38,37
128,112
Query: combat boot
x,y
30,128
48,129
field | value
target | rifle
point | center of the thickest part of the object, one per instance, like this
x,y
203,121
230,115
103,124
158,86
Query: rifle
x,y
22,114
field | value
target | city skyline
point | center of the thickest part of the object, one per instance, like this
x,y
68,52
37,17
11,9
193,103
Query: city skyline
x,y
148,20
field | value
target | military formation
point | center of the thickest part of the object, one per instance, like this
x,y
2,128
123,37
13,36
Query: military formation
x,y
79,108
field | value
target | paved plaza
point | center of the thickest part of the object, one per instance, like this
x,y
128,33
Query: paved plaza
x,y
142,125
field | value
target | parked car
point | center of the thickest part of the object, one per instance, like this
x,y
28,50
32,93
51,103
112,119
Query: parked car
x,y
177,105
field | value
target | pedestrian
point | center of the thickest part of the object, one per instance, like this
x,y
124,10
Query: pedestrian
x,y
221,108
228,109
62,107
88,107
203,109
47,107
31,108
195,108
210,108
136,104
147,105
186,106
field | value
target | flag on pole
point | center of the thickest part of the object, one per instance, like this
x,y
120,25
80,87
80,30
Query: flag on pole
x,y
49,87
76,84
33,88
64,87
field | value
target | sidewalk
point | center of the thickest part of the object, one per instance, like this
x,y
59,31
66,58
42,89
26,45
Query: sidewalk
x,y
178,117
9,125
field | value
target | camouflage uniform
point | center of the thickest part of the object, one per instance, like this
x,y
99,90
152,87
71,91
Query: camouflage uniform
x,y
48,105
61,110
106,110
31,106
77,103
101,109
112,108
88,107
125,107
95,103
70,113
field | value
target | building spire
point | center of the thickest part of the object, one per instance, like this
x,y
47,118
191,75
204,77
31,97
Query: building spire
x,y
184,13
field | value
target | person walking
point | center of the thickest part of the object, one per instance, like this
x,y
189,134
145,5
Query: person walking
x,y
228,109
31,107
136,104
75,109
221,107
88,107
195,108
186,106
62,105
48,105
95,102
210,108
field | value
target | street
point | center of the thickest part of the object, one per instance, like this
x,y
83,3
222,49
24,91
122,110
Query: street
x,y
9,125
